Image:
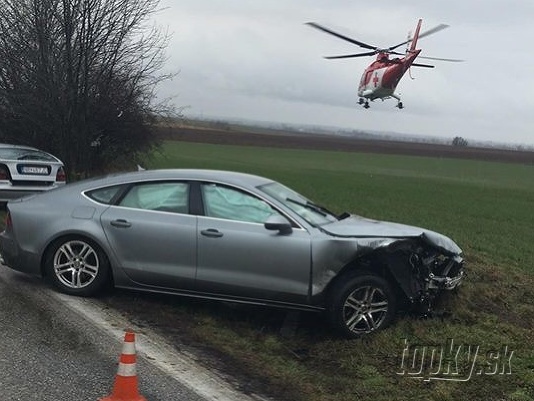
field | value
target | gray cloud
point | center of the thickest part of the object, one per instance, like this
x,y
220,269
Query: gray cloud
x,y
257,60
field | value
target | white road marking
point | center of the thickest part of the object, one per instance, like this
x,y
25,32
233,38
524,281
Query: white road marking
x,y
156,350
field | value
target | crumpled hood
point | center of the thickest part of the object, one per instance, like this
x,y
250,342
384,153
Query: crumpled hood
x,y
361,227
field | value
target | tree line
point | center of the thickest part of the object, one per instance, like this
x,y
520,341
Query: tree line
x,y
78,79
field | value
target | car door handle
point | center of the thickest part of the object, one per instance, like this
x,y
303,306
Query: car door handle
x,y
211,232
121,223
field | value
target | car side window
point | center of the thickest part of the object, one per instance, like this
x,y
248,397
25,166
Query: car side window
x,y
229,203
160,196
104,195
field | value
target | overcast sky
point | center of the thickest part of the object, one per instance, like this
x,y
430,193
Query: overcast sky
x,y
257,60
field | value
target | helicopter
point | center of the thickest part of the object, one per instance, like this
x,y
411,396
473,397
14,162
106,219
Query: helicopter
x,y
380,79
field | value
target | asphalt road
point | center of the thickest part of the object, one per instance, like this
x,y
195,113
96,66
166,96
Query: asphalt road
x,y
54,347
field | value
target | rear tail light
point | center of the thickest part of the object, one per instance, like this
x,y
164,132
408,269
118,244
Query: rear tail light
x,y
4,174
61,176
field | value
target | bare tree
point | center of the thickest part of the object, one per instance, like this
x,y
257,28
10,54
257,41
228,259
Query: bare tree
x,y
78,78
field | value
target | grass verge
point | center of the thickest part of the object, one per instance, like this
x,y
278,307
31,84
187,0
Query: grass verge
x,y
484,337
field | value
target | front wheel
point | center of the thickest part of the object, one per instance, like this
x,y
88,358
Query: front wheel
x,y
77,266
360,305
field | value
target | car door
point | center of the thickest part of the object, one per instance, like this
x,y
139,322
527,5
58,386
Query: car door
x,y
239,257
152,235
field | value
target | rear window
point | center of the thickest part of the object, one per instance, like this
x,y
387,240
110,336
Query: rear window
x,y
26,154
104,195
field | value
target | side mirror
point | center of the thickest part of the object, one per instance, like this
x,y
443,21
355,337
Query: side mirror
x,y
279,223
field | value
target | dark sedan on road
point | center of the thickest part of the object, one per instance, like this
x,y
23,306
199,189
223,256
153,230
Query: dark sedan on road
x,y
227,236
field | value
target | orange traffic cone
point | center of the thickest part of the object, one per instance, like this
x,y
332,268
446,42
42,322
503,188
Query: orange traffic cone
x,y
126,388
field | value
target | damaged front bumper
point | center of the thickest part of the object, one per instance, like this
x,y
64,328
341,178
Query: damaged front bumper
x,y
450,277
445,283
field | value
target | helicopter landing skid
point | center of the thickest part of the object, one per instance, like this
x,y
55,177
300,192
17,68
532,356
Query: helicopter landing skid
x,y
363,102
399,103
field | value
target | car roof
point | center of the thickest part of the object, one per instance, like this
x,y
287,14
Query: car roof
x,y
242,180
229,177
11,146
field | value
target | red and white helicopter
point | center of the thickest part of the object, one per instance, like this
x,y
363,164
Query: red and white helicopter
x,y
380,79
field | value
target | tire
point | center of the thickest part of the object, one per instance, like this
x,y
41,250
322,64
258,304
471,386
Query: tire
x,y
77,266
361,304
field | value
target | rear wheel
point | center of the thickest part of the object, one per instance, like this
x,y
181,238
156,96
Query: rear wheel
x,y
361,304
77,266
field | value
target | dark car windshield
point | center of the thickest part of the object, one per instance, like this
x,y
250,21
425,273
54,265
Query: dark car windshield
x,y
314,214
25,154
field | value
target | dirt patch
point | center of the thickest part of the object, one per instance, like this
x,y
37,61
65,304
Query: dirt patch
x,y
282,139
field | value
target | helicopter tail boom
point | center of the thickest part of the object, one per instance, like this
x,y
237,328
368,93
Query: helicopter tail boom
x,y
416,36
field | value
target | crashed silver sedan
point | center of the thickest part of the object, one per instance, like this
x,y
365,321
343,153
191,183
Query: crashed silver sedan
x,y
227,236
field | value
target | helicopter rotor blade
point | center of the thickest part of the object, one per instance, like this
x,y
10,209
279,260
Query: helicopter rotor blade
x,y
340,36
452,60
375,49
422,65
431,31
351,55
438,28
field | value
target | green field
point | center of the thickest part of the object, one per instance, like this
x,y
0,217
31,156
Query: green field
x,y
487,208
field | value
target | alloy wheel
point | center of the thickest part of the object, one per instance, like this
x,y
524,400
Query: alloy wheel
x,y
365,309
76,264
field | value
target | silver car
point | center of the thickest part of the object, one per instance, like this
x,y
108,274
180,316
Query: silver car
x,y
227,236
25,170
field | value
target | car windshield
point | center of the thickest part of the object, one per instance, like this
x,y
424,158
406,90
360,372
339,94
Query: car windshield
x,y
314,214
25,154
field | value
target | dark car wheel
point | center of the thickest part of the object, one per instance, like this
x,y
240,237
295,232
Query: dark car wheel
x,y
361,304
77,266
